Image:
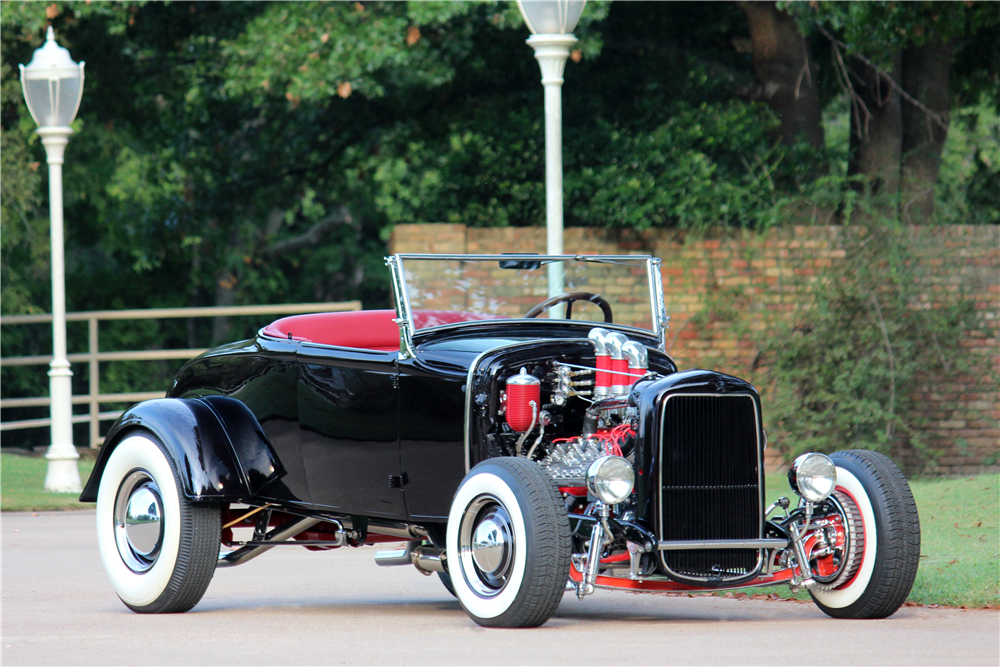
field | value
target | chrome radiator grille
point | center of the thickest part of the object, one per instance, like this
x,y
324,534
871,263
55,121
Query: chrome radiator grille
x,y
710,478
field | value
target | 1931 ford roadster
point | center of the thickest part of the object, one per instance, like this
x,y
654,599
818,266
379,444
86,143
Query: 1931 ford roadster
x,y
516,422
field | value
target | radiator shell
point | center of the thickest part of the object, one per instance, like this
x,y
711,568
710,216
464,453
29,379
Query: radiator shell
x,y
701,473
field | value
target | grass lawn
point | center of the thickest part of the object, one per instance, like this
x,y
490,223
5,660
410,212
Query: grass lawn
x,y
22,479
959,521
960,541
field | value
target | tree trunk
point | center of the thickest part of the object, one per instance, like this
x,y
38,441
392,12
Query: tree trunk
x,y
876,128
784,72
925,77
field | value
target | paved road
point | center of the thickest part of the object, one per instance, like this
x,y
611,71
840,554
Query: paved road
x,y
297,607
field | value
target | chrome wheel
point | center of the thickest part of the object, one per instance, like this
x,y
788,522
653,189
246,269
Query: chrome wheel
x,y
845,556
159,549
487,545
138,521
508,544
874,580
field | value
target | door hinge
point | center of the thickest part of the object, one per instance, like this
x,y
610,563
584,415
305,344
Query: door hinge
x,y
395,381
398,481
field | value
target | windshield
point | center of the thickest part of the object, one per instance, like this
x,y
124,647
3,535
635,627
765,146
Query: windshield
x,y
445,289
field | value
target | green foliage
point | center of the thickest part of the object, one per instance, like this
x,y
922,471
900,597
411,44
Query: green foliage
x,y
968,188
24,242
244,152
470,174
878,29
309,51
628,185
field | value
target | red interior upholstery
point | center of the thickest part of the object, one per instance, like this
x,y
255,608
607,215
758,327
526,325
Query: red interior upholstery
x,y
371,329
368,329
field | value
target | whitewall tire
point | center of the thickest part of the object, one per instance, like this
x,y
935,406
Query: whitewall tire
x,y
890,528
158,548
508,544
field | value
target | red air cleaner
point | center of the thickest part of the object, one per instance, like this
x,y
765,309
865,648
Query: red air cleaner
x,y
523,400
602,381
638,359
619,383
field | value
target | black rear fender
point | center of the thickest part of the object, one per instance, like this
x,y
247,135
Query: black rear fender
x,y
219,448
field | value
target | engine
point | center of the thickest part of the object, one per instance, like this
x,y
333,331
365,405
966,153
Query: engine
x,y
691,443
566,415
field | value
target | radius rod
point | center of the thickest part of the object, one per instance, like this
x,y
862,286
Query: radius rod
x,y
283,532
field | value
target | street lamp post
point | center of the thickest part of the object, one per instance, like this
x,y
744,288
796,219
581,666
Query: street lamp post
x,y
53,86
551,23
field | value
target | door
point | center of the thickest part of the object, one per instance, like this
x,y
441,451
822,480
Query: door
x,y
349,432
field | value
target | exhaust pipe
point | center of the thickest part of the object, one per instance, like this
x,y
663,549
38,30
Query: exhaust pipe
x,y
427,559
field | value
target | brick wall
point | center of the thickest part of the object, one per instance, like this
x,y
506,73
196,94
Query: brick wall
x,y
772,272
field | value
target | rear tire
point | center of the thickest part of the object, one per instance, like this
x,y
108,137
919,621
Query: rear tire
x,y
508,544
158,548
446,582
891,551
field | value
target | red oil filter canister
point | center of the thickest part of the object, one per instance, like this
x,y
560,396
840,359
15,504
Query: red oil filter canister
x,y
523,400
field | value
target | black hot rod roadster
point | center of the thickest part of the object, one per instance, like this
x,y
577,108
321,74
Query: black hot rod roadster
x,y
516,422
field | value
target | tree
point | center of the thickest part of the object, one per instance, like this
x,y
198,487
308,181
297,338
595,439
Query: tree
x,y
896,61
784,73
253,152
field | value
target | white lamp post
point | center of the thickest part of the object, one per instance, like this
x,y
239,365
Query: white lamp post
x,y
551,23
53,87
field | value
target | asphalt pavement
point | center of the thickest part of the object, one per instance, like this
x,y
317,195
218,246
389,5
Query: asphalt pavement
x,y
292,606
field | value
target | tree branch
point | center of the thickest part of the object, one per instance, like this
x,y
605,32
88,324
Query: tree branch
x,y
931,114
339,217
892,369
844,78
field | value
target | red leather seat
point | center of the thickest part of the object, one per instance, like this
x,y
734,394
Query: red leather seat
x,y
367,329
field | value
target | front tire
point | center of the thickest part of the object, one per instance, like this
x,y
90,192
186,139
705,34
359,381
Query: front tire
x,y
158,548
508,544
891,535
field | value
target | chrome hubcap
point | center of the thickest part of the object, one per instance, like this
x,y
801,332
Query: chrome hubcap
x,y
142,521
139,521
486,539
490,543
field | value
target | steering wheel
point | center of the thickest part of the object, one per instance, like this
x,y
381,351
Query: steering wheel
x,y
568,298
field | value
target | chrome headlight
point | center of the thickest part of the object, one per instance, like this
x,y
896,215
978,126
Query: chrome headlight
x,y
813,476
610,478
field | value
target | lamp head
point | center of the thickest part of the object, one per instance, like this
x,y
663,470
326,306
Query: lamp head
x,y
52,84
551,17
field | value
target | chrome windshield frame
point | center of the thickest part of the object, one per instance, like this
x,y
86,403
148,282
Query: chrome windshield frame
x,y
404,317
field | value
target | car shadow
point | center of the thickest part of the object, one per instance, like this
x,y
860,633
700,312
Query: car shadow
x,y
617,609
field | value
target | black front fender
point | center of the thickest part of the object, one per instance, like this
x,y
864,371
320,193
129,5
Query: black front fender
x,y
218,446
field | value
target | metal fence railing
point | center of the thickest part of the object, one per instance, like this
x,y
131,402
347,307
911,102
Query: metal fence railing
x,y
94,357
